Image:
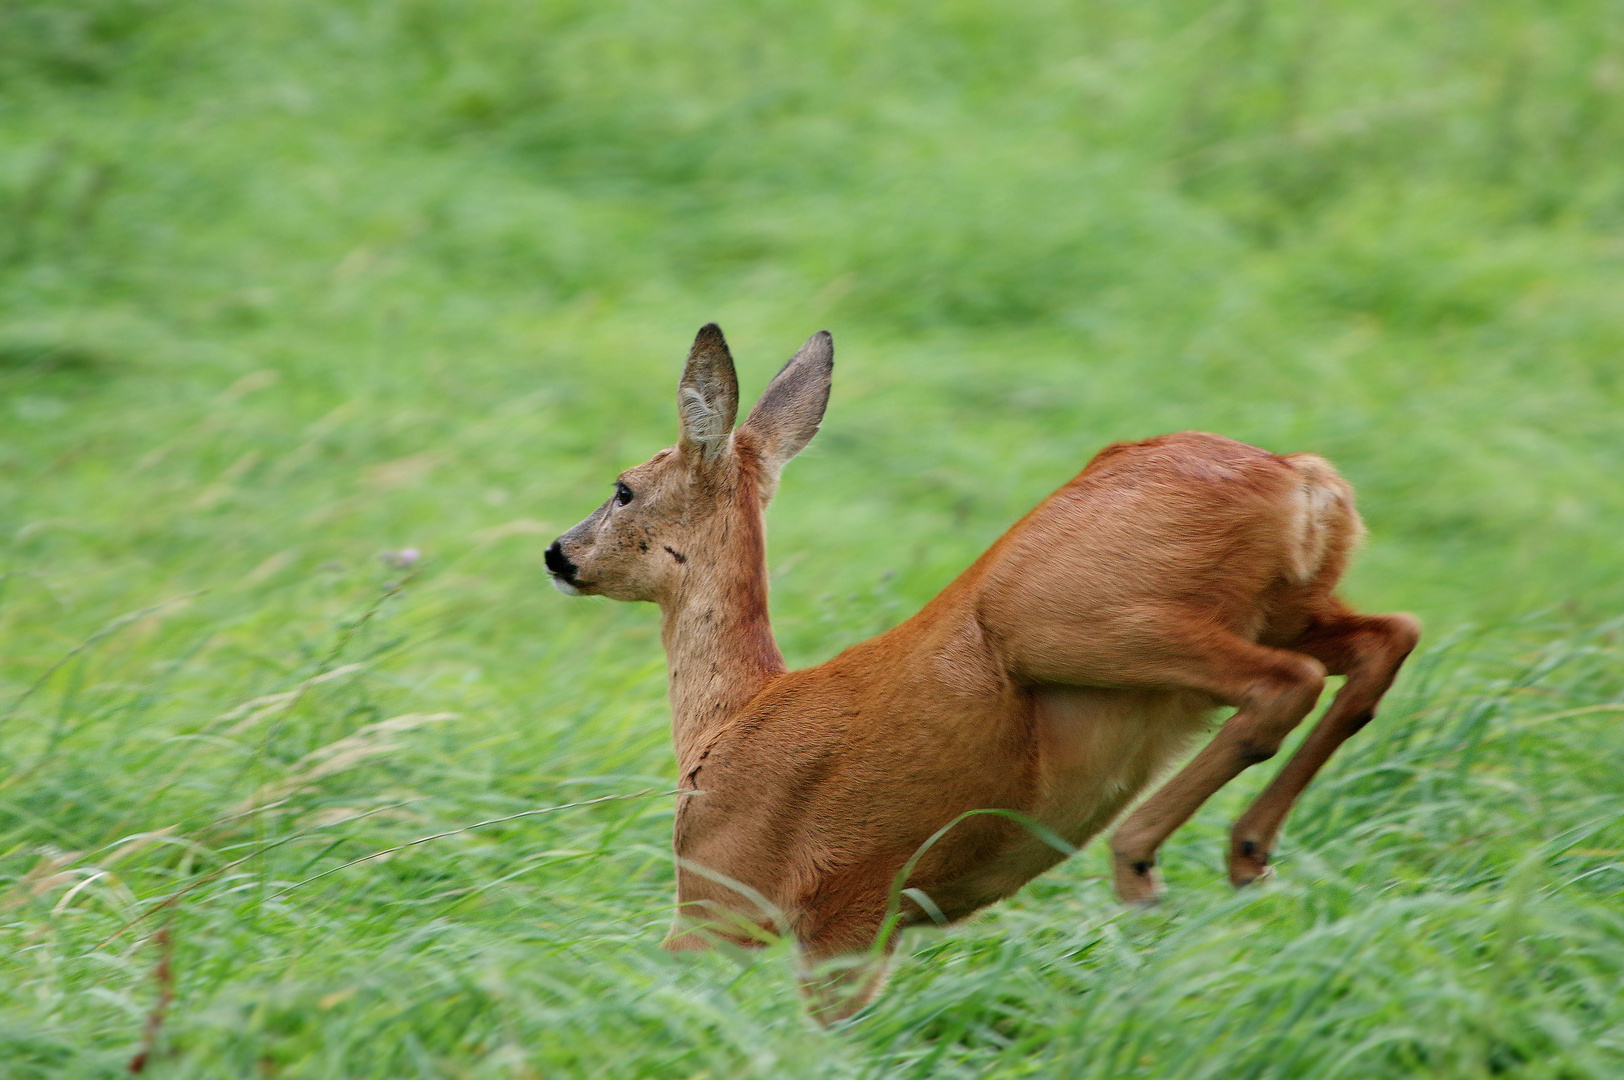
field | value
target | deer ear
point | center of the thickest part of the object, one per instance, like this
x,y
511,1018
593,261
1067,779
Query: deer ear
x,y
790,409
708,395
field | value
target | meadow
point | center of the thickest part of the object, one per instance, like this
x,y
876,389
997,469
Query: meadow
x,y
318,321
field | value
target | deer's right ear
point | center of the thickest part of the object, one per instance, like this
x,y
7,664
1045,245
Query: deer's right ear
x,y
791,408
707,396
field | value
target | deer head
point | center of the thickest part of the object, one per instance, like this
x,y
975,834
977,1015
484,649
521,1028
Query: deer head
x,y
685,511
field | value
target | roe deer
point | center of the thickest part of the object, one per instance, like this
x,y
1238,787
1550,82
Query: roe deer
x,y
1056,677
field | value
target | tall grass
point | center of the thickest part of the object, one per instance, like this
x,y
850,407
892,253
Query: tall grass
x,y
287,287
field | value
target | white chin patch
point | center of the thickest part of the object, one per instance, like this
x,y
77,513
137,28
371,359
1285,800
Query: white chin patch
x,y
565,587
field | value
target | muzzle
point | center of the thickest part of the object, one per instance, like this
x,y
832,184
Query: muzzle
x,y
562,570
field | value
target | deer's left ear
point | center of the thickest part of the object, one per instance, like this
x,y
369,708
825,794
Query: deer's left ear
x,y
790,409
708,396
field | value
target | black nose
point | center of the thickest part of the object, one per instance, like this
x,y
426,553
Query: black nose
x,y
559,565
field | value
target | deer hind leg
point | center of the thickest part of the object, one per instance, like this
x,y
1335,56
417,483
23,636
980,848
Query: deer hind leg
x,y
1273,689
1368,649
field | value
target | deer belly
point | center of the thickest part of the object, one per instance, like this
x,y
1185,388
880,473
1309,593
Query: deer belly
x,y
1099,747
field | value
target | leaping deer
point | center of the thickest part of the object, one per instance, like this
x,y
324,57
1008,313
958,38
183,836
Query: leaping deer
x,y
1056,677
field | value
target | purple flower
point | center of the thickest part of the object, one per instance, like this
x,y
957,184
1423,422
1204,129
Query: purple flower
x,y
404,559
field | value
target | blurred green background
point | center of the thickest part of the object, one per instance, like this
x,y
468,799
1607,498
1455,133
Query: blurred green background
x,y
284,286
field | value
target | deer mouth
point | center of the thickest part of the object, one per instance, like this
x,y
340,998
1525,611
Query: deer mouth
x,y
562,570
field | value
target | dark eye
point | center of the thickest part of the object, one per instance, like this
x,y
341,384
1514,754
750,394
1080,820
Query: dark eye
x,y
623,494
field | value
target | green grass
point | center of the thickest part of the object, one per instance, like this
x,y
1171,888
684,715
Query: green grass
x,y
286,286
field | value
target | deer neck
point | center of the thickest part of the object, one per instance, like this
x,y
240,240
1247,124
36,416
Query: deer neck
x,y
718,640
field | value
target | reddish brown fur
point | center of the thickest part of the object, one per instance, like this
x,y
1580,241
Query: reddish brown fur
x,y
1056,677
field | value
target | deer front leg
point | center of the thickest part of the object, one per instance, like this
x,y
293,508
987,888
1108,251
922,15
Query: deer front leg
x,y
1273,690
1368,649
713,906
840,969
